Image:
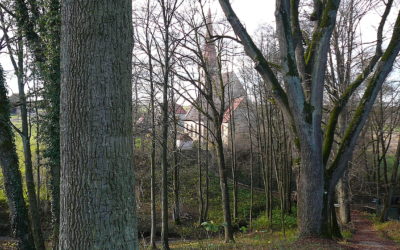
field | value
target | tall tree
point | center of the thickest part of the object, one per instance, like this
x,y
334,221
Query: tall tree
x,y
25,134
41,28
12,176
392,185
97,178
303,69
211,86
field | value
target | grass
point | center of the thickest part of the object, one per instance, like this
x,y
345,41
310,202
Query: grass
x,y
260,240
255,240
389,229
19,146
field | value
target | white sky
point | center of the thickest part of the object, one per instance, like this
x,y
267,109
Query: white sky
x,y
252,13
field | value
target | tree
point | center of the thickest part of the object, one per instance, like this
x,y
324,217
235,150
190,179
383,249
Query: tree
x,y
97,178
211,86
392,185
303,71
25,134
20,227
166,50
41,28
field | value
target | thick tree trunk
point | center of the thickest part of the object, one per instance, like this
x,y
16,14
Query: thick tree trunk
x,y
98,208
20,227
310,193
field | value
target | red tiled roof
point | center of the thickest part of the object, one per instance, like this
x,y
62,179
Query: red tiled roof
x,y
179,110
232,107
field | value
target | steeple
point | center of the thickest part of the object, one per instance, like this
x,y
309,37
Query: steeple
x,y
210,51
209,22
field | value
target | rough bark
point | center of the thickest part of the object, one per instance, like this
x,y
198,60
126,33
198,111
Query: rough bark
x,y
97,178
19,219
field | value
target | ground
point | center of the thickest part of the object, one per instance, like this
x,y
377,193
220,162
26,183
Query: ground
x,y
366,236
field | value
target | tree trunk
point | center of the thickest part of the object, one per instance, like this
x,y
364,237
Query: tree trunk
x,y
164,151
310,195
200,173
206,199
176,180
98,209
223,185
152,154
25,134
20,227
393,184
342,190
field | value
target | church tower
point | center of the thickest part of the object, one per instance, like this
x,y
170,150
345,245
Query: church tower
x,y
210,50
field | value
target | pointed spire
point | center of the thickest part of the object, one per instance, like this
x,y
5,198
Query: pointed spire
x,y
209,24
210,51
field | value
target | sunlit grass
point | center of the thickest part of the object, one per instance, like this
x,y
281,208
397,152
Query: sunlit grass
x,y
20,152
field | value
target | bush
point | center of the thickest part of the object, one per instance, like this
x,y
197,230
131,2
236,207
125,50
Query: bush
x,y
262,222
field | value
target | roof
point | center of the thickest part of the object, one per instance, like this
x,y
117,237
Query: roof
x,y
179,110
232,84
232,107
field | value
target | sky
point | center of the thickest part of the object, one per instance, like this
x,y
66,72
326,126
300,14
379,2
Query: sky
x,y
252,13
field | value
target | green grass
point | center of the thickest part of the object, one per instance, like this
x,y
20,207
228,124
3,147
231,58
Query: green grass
x,y
19,147
390,230
242,241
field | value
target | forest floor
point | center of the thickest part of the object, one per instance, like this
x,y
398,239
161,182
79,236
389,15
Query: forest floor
x,y
366,236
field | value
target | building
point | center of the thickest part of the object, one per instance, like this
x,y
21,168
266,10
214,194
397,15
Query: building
x,y
235,122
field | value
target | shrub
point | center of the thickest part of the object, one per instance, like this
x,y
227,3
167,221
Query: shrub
x,y
262,223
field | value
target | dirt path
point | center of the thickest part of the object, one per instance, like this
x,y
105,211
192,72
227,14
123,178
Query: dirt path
x,y
366,237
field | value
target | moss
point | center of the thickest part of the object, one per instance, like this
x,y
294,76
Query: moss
x,y
393,42
330,132
297,142
331,5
